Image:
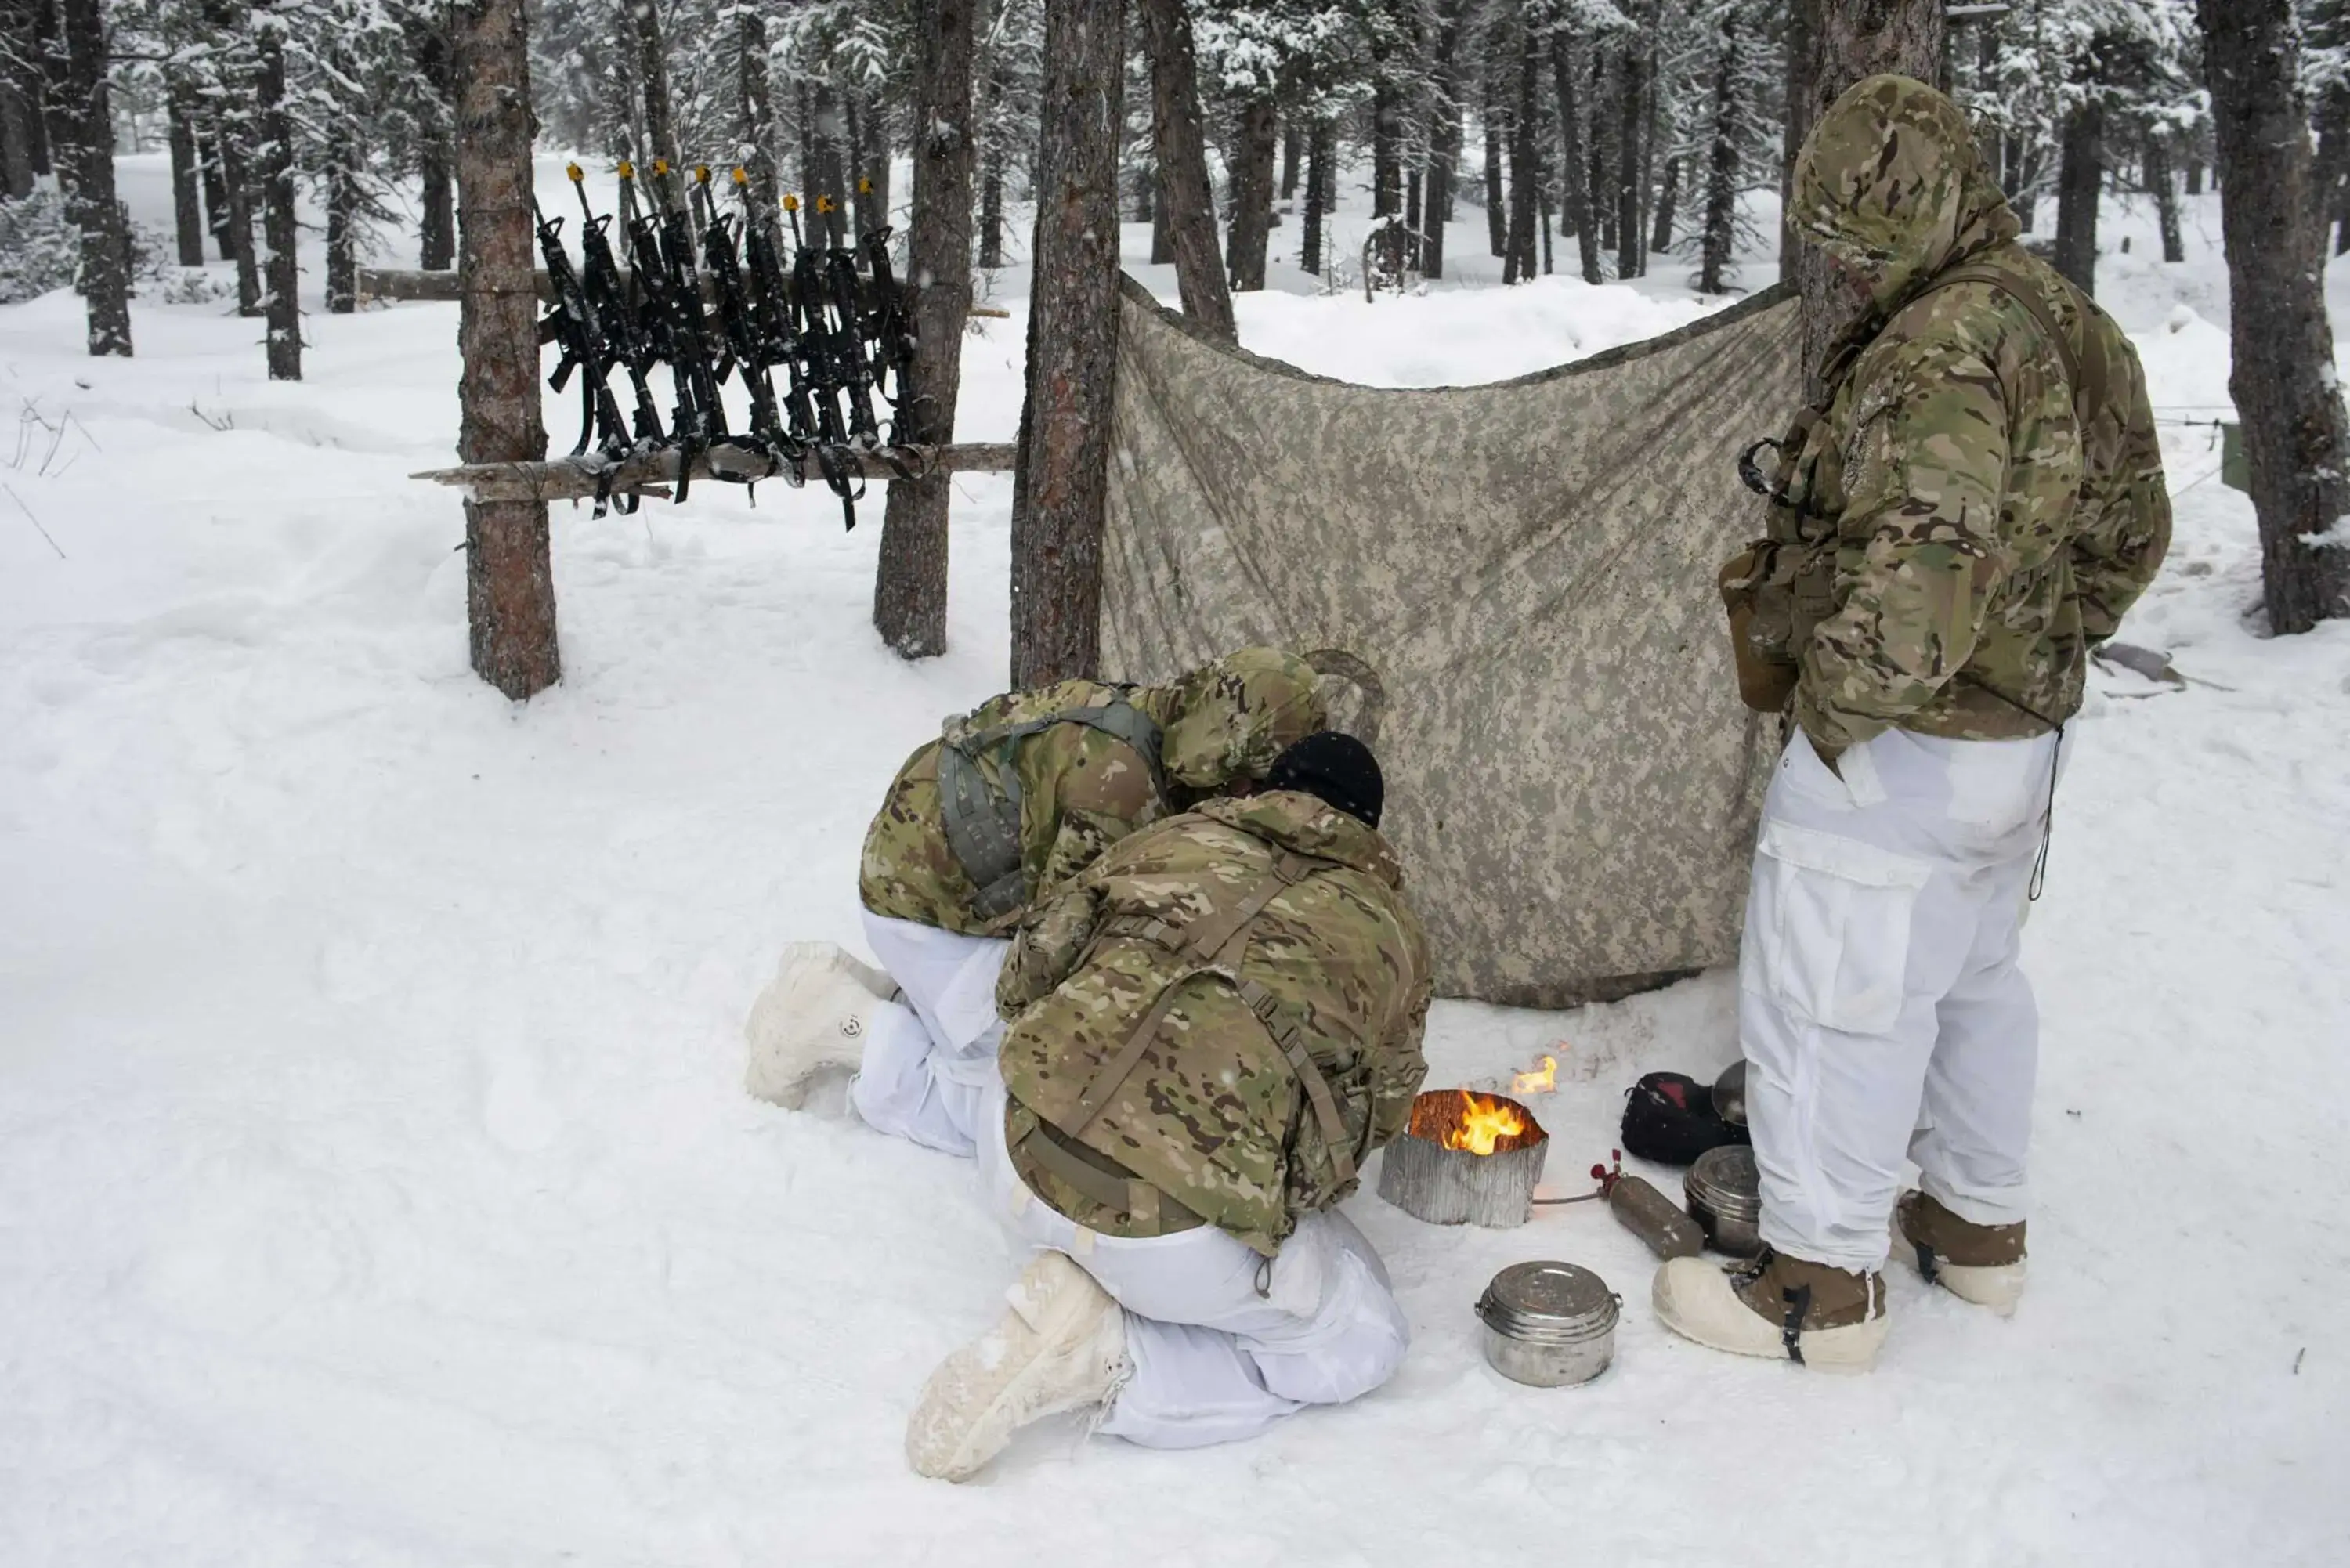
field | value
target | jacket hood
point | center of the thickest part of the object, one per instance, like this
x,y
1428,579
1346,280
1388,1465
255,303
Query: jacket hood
x,y
1889,183
1229,720
1295,820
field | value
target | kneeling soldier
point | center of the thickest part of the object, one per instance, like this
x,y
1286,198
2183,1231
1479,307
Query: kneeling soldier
x,y
1012,800
1210,1029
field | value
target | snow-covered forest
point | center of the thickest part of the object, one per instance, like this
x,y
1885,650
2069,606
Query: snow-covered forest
x,y
377,1184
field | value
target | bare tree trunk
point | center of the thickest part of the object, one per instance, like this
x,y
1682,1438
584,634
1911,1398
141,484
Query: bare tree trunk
x,y
1496,129
1722,167
991,211
1187,204
1660,237
1579,217
1162,241
2281,375
236,174
1061,486
1802,104
208,167
273,160
873,161
653,81
1526,162
1293,141
909,593
187,205
827,193
2160,180
342,228
1387,143
2194,176
1852,39
1604,204
61,130
1443,159
1318,188
1252,181
2077,188
1631,256
509,579
755,127
437,229
105,257
23,147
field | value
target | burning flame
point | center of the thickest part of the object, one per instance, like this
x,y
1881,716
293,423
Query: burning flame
x,y
1484,1123
1540,1081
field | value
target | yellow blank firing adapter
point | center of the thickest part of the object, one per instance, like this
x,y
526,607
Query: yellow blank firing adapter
x,y
627,170
701,173
824,203
740,178
660,167
575,171
864,185
790,202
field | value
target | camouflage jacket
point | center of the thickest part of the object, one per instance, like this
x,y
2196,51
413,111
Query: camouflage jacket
x,y
1212,1114
1968,521
1082,790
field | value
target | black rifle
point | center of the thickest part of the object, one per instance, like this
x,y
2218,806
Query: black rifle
x,y
674,326
750,356
848,351
571,321
816,356
616,316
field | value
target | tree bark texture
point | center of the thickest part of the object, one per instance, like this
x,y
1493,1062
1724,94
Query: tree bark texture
x,y
1497,129
2079,182
1255,148
187,204
509,579
1802,34
1632,108
827,193
754,120
24,151
1317,187
2281,375
1852,39
236,174
991,211
910,591
1187,201
1060,487
1720,231
1387,145
282,301
216,189
105,255
2163,183
1525,164
342,228
1292,144
660,120
1579,217
1660,234
437,228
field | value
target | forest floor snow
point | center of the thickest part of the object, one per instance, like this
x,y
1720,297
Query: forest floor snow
x,y
377,1187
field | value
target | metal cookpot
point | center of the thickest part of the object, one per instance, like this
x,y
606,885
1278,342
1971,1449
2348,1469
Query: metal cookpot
x,y
1548,1324
1730,1094
1725,1198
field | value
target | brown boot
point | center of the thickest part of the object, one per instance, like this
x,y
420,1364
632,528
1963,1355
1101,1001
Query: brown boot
x,y
1979,1263
1776,1306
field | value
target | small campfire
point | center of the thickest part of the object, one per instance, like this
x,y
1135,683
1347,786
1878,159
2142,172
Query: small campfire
x,y
1466,1158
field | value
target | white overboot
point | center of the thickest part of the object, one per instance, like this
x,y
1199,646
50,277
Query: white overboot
x,y
812,1015
1983,1264
1062,1346
1777,1306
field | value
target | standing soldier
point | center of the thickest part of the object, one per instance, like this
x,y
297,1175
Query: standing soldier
x,y
1969,510
1012,800
1212,1029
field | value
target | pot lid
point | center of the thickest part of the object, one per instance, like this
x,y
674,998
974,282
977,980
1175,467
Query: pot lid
x,y
1548,1300
1725,1180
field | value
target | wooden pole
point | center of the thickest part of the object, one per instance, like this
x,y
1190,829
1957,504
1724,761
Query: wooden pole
x,y
1185,197
1061,486
578,478
910,590
509,579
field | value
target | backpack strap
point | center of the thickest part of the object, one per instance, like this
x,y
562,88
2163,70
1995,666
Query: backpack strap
x,y
2085,382
1152,1212
982,817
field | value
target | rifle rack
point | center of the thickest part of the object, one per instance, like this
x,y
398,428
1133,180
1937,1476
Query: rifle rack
x,y
407,283
584,477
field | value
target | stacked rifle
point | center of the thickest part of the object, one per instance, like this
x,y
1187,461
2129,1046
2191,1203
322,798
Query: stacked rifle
x,y
812,345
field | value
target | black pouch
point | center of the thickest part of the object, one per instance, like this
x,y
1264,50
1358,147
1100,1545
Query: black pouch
x,y
1668,1117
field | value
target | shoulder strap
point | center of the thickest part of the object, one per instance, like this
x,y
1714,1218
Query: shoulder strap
x,y
2035,304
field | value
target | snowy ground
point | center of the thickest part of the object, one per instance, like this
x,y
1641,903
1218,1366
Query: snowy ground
x,y
375,1187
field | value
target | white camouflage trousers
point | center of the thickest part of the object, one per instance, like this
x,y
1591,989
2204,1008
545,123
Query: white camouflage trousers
x,y
929,1057
1214,1361
1881,1010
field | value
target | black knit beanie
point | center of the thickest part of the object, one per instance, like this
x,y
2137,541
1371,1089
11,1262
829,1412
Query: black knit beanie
x,y
1338,768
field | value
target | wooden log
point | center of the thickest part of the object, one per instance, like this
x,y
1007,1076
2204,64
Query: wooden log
x,y
576,478
407,283
1453,1186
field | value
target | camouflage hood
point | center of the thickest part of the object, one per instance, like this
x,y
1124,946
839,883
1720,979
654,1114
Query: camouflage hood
x,y
1229,720
1889,184
1292,819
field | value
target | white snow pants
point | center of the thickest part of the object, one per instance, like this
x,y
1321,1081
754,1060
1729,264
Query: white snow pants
x,y
1213,1361
1881,1008
929,1058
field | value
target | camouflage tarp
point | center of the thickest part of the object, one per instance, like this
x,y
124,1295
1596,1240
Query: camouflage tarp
x,y
1527,568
